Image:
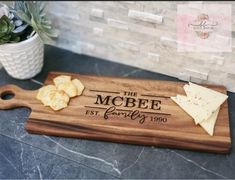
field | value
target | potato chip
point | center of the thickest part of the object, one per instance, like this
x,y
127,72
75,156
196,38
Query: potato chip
x,y
59,100
45,93
79,86
57,96
69,88
61,79
44,90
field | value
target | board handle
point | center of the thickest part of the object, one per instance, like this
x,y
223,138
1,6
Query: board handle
x,y
12,96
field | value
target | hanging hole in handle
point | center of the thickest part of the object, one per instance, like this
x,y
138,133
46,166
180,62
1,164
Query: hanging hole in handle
x,y
7,95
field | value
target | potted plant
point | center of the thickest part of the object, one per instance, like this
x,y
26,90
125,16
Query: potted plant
x,y
24,28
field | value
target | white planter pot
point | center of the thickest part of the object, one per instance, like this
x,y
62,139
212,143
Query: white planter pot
x,y
23,60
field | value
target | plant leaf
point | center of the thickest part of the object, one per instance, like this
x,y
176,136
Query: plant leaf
x,y
23,16
20,28
3,26
33,14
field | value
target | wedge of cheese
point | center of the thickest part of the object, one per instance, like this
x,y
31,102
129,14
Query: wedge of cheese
x,y
209,124
188,91
202,104
207,97
195,111
199,103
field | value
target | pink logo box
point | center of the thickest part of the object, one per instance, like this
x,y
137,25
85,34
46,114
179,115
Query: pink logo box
x,y
204,27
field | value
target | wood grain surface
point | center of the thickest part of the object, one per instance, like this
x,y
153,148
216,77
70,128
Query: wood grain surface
x,y
136,111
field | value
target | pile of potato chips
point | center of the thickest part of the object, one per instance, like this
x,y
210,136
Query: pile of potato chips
x,y
58,96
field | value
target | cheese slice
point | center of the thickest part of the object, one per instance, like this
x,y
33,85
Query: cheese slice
x,y
188,91
198,102
207,98
195,111
202,104
209,124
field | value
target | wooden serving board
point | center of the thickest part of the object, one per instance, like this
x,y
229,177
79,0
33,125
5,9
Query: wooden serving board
x,y
136,111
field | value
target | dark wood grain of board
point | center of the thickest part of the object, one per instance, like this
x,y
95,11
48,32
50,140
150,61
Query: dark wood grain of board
x,y
136,111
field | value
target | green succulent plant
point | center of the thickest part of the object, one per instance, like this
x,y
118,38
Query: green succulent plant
x,y
32,12
6,31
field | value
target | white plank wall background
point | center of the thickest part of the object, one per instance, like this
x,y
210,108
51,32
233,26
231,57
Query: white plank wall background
x,y
141,34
